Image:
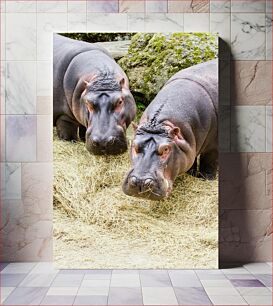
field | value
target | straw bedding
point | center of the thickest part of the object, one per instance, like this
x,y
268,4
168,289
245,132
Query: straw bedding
x,y
97,226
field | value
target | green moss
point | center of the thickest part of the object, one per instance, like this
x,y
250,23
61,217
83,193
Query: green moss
x,y
153,58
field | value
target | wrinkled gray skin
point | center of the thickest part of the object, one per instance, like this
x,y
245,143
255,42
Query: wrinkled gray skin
x,y
178,125
90,94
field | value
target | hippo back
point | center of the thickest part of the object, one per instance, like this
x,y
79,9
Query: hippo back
x,y
205,74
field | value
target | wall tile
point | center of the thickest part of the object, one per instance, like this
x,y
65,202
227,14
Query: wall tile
x,y
248,36
3,36
269,6
220,23
268,23
248,129
3,6
245,236
21,36
3,138
196,23
77,22
12,181
37,189
48,23
246,188
163,22
188,6
21,6
131,6
106,22
52,6
20,87
20,138
224,82
160,6
44,138
78,6
220,6
136,22
268,128
3,88
44,78
44,105
224,128
252,83
102,6
249,6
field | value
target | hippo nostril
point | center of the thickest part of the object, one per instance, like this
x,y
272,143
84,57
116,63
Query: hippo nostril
x,y
148,183
111,140
95,141
133,181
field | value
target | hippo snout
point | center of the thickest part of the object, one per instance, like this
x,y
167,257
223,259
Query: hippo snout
x,y
144,187
99,144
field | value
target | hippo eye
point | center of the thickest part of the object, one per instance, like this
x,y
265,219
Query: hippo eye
x,y
164,150
89,106
119,103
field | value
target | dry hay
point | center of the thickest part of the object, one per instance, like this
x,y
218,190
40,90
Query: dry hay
x,y
97,226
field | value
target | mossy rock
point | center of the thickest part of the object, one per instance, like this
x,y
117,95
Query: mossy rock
x,y
153,58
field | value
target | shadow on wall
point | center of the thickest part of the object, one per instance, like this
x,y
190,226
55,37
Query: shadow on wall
x,y
244,229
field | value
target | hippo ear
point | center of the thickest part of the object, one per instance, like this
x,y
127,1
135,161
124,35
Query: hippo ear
x,y
175,132
122,83
134,125
86,83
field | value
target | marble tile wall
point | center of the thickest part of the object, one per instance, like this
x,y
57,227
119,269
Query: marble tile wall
x,y
245,28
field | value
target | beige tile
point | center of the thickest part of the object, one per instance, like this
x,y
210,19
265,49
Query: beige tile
x,y
44,138
44,105
188,6
131,6
227,300
252,83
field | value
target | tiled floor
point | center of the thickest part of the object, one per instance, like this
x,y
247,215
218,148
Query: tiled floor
x,y
41,284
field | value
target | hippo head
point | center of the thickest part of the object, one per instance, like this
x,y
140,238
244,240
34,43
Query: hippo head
x,y
158,154
109,108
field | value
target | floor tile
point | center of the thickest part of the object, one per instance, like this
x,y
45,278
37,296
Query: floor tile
x,y
58,300
72,271
265,279
246,283
37,280
216,283
87,291
5,292
97,276
240,276
269,263
258,299
155,279
210,274
96,283
67,280
17,268
235,271
191,296
221,291
125,271
11,280
184,280
26,296
3,265
125,280
44,268
91,300
125,296
254,291
159,296
100,271
62,291
258,268
227,300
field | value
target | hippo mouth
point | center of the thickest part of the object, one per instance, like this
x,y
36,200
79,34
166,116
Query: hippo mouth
x,y
147,188
114,147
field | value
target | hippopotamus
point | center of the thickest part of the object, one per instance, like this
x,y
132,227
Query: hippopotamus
x,y
91,96
179,125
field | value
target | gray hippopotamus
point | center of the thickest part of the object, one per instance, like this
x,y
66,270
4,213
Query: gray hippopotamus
x,y
178,125
90,94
